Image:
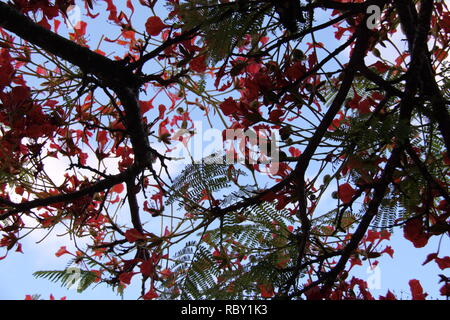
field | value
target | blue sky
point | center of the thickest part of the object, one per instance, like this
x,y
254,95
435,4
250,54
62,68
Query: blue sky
x,y
17,269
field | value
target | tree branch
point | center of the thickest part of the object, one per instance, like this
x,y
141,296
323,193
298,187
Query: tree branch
x,y
68,197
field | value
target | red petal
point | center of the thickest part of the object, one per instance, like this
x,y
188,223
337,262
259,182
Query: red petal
x,y
150,295
346,192
61,251
389,251
416,290
126,277
229,106
154,26
443,263
430,257
266,291
314,294
118,188
445,290
389,296
294,152
414,232
148,268
133,235
198,64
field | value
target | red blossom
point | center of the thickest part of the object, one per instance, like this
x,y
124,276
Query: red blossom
x,y
416,290
148,268
314,294
443,263
229,106
346,192
266,290
134,235
61,251
414,232
151,294
389,296
389,251
198,64
154,25
118,188
445,290
294,152
126,277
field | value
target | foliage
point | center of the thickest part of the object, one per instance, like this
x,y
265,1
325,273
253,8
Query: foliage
x,y
340,137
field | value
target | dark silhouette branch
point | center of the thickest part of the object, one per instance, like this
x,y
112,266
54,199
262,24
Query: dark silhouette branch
x,y
98,186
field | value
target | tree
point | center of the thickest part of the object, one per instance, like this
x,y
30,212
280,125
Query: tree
x,y
376,133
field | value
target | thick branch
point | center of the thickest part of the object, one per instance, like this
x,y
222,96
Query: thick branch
x,y
68,197
134,206
356,59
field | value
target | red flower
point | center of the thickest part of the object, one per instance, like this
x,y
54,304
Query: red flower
x,y
162,109
266,290
389,296
61,251
314,294
445,290
372,236
385,235
118,188
19,190
295,71
154,26
102,137
198,64
126,277
355,261
389,251
166,273
416,290
80,28
429,258
413,231
133,235
148,268
294,152
443,263
346,192
364,106
275,115
6,69
380,67
151,294
229,106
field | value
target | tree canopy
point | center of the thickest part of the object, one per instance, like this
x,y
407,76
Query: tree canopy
x,y
333,127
